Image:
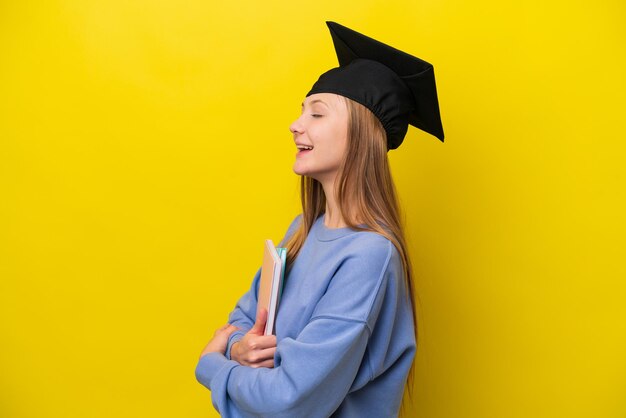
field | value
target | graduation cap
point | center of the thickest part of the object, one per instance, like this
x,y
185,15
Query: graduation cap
x,y
397,87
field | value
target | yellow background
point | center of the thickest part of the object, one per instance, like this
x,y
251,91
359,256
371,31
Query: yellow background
x,y
145,155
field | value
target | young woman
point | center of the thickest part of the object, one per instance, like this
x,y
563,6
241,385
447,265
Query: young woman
x,y
345,332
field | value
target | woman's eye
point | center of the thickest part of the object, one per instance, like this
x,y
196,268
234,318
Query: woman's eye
x,y
316,115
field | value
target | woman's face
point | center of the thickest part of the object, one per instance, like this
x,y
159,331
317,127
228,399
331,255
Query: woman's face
x,y
320,134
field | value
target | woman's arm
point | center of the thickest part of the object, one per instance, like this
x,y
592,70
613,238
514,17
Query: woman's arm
x,y
245,312
314,371
255,349
314,376
219,340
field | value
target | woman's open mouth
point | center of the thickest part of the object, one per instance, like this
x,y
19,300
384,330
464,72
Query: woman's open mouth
x,y
303,149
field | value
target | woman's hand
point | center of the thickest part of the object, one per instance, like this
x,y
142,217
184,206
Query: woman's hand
x,y
255,349
220,340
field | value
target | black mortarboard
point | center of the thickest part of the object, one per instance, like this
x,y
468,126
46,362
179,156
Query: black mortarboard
x,y
397,87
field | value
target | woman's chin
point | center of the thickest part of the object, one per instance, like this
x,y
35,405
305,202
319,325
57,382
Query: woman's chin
x,y
299,170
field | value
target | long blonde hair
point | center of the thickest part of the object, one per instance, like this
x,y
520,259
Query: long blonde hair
x,y
365,193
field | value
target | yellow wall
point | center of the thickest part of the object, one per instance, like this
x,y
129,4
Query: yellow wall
x,y
145,154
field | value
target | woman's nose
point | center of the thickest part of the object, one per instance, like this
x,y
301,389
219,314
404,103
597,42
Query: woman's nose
x,y
295,127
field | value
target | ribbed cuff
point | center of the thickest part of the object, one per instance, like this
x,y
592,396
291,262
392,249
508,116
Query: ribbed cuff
x,y
234,337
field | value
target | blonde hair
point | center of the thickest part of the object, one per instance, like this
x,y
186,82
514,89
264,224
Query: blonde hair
x,y
365,193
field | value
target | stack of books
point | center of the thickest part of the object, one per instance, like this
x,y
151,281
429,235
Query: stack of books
x,y
271,286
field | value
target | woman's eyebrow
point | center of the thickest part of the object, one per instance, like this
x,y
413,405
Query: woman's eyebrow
x,y
316,101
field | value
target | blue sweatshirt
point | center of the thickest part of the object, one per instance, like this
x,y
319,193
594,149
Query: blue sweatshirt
x,y
344,333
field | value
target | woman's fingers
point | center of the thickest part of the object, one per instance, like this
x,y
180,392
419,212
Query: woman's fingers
x,y
262,342
267,363
260,358
254,349
267,354
219,342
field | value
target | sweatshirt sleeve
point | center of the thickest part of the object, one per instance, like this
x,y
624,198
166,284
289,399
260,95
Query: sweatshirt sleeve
x,y
244,314
314,371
